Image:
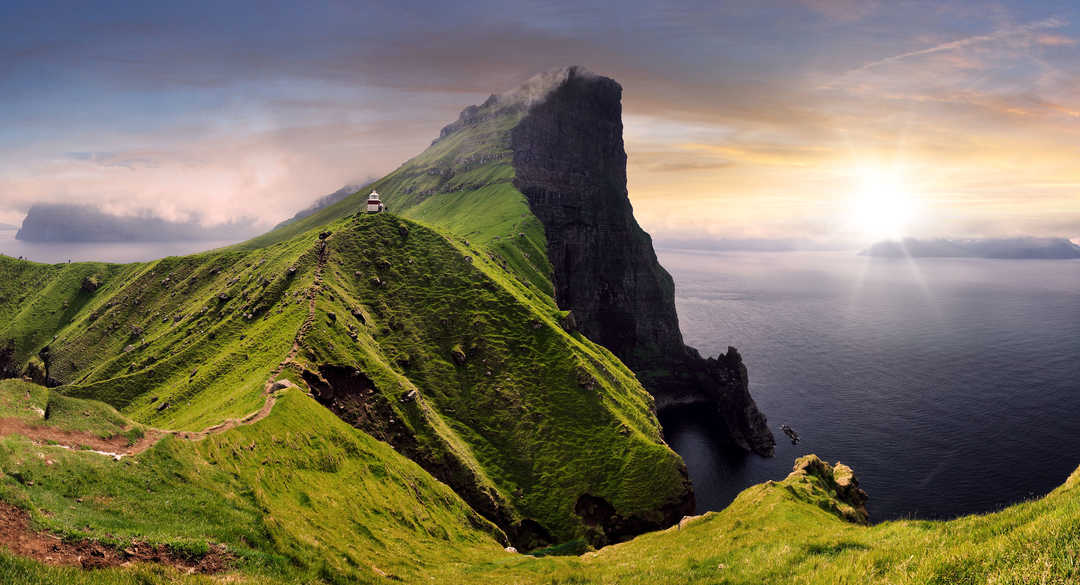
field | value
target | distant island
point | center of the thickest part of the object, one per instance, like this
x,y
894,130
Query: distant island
x,y
86,223
1006,248
709,244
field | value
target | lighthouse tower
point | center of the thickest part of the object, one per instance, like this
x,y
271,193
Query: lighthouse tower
x,y
374,204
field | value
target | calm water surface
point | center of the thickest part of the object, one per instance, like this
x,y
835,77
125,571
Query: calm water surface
x,y
950,385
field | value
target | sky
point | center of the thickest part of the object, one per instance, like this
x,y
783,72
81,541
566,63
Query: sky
x,y
821,119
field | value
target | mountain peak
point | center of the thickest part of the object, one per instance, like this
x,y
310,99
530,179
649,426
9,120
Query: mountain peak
x,y
520,99
539,86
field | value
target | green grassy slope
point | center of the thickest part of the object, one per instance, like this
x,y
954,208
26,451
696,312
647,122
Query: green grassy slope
x,y
183,343
526,421
36,300
300,497
545,416
297,495
461,185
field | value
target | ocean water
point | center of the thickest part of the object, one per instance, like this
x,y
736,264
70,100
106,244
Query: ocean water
x,y
121,252
951,386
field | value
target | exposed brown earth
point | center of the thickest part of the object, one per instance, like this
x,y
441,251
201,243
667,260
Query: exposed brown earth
x,y
115,445
17,535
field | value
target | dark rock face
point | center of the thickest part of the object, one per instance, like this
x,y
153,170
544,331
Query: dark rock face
x,y
606,526
8,366
570,164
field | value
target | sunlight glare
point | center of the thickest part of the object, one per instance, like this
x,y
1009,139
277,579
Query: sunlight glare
x,y
882,205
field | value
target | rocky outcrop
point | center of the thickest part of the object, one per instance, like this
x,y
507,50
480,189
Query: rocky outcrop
x,y
606,526
570,164
9,368
844,496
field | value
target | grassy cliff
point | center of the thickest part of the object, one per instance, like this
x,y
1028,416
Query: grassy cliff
x,y
301,497
424,341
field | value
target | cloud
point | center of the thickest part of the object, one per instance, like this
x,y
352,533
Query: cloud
x,y
999,35
737,114
762,154
112,159
1056,40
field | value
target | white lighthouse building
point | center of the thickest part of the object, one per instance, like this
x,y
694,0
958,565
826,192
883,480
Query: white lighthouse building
x,y
374,204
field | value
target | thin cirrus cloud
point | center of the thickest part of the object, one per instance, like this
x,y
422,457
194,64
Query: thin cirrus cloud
x,y
740,117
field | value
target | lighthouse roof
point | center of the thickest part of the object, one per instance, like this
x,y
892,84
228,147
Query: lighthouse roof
x,y
374,194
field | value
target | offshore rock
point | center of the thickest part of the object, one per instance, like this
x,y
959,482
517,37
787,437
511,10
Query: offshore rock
x,y
570,164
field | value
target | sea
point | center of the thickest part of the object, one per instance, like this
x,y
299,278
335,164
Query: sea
x,y
950,385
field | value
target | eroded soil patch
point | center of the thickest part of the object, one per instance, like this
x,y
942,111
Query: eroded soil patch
x,y
42,433
17,535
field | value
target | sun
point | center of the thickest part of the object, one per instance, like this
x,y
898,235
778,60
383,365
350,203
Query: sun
x,y
882,204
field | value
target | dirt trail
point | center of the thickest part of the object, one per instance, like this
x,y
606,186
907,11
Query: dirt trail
x,y
117,446
269,388
17,535
309,321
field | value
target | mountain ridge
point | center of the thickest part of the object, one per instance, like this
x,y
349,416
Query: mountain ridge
x,y
494,177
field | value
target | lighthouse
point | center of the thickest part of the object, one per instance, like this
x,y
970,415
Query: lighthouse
x,y
374,204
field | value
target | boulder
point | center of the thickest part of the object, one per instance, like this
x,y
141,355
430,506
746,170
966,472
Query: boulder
x,y
849,499
358,315
281,385
568,322
458,354
90,283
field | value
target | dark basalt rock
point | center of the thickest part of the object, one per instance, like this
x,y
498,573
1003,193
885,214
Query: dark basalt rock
x,y
607,526
570,164
90,283
9,368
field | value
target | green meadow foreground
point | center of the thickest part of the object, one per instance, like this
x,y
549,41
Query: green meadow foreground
x,y
373,398
277,489
295,505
